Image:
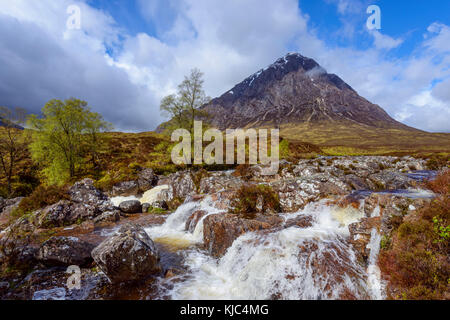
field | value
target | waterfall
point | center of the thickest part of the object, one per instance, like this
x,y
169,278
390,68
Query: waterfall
x,y
292,263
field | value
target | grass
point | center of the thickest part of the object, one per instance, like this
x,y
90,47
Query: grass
x,y
251,199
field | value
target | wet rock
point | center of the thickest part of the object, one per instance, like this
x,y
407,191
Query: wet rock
x,y
301,222
146,179
173,272
66,213
65,251
129,255
294,194
131,206
107,217
360,234
126,188
146,207
220,231
193,220
389,180
355,182
159,193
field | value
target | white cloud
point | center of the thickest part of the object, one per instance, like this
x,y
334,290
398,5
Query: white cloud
x,y
228,40
383,41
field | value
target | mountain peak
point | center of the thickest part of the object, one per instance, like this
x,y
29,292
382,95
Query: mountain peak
x,y
294,89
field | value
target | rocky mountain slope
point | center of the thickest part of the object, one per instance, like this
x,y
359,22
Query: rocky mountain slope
x,y
295,90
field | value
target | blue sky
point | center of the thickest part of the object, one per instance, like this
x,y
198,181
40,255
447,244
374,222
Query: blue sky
x,y
128,54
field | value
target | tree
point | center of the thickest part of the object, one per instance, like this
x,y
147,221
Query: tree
x,y
184,107
13,142
64,136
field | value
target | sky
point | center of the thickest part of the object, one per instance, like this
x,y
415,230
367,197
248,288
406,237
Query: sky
x,y
126,55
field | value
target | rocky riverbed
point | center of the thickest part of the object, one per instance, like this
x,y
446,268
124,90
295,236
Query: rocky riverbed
x,y
135,242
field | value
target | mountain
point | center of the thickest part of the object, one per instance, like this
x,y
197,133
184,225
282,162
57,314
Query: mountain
x,y
295,90
3,124
307,104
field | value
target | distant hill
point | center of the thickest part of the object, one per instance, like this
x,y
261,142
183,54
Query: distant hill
x,y
3,124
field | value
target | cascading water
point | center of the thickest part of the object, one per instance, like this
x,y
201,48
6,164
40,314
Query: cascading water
x,y
173,232
292,263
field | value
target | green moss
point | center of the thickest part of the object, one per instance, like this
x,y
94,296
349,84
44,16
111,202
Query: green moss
x,y
156,210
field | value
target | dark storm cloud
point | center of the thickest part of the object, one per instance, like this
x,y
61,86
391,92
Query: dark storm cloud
x,y
35,68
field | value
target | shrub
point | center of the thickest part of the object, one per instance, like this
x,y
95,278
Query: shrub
x,y
250,199
243,171
41,197
441,184
416,259
197,177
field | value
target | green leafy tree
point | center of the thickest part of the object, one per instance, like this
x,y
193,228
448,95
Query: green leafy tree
x,y
64,136
13,143
184,106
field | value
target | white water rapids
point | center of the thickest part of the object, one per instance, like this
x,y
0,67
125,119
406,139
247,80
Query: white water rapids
x,y
292,263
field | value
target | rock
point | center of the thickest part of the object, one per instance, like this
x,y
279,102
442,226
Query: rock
x,y
301,222
294,194
193,220
146,179
389,180
156,194
66,213
109,216
84,192
220,231
170,273
126,188
360,234
355,182
17,252
181,185
157,205
129,255
65,251
131,206
218,182
160,205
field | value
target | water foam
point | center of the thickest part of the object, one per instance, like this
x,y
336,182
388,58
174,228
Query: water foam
x,y
292,263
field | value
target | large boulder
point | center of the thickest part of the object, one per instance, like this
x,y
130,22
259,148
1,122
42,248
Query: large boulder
x,y
64,213
129,255
360,234
181,185
65,251
131,206
108,217
294,194
86,203
389,180
84,192
220,231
